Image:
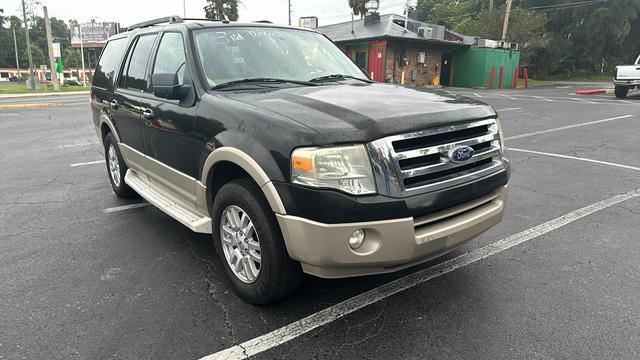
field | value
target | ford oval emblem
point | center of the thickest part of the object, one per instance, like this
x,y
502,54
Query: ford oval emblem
x,y
460,154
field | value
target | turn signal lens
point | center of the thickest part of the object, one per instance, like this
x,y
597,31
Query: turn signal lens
x,y
302,163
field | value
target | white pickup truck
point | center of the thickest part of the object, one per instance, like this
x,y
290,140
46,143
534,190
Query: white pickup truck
x,y
627,77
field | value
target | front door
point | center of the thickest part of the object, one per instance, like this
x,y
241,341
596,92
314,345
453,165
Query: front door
x,y
377,52
445,69
169,124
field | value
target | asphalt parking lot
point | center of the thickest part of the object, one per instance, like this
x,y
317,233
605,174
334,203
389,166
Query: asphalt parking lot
x,y
86,275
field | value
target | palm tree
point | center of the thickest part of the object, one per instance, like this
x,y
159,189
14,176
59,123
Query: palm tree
x,y
358,7
222,9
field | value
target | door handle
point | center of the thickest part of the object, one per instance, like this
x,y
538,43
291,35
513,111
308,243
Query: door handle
x,y
148,114
114,104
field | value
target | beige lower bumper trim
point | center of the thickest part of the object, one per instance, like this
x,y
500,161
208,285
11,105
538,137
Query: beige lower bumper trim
x,y
390,245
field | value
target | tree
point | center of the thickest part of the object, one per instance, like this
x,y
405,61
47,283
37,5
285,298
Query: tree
x,y
222,10
358,7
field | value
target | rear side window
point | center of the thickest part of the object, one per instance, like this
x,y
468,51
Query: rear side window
x,y
106,70
135,69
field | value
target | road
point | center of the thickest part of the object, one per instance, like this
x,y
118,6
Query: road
x,y
89,276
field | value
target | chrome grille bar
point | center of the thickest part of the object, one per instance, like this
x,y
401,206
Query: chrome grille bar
x,y
418,162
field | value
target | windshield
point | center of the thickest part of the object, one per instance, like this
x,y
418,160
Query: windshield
x,y
233,54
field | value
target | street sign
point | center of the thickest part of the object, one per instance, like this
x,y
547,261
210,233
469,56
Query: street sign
x,y
56,50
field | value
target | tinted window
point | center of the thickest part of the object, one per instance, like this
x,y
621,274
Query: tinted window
x,y
108,62
137,65
171,57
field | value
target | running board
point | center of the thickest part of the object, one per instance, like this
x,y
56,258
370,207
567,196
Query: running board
x,y
169,203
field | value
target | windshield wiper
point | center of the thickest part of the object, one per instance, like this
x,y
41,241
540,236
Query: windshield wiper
x,y
337,77
259,80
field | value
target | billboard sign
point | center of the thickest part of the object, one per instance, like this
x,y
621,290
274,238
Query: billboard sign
x,y
310,22
93,34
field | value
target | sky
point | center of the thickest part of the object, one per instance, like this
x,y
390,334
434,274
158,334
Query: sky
x,y
128,12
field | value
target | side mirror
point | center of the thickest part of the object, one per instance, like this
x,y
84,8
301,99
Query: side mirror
x,y
167,86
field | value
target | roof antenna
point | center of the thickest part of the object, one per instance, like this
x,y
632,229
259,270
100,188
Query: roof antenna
x,y
406,16
353,29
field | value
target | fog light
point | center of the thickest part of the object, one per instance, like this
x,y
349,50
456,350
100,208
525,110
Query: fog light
x,y
356,239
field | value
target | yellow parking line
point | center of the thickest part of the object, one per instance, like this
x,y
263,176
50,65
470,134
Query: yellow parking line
x,y
28,106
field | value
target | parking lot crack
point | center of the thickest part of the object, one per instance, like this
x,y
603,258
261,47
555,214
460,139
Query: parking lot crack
x,y
382,314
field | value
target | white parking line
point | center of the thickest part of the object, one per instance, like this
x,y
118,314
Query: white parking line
x,y
5,114
125,207
508,109
89,143
543,98
478,95
88,163
567,127
575,158
298,328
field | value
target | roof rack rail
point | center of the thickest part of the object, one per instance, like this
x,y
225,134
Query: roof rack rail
x,y
202,19
174,19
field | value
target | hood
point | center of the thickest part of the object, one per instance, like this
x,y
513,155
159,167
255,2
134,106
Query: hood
x,y
365,112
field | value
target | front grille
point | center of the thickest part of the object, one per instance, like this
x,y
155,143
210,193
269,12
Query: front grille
x,y
418,162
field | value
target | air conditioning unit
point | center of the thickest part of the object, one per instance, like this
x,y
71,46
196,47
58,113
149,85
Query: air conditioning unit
x,y
486,43
514,46
426,32
435,32
503,44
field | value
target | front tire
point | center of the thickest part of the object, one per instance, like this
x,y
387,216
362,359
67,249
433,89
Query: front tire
x,y
249,243
116,168
621,91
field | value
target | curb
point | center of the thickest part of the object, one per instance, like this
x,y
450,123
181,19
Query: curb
x,y
28,106
594,92
67,93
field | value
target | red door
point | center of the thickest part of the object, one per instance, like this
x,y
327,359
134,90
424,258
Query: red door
x,y
377,51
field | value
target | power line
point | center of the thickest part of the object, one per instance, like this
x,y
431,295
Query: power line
x,y
581,3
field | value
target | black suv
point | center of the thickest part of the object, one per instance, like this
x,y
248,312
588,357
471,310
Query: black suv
x,y
274,141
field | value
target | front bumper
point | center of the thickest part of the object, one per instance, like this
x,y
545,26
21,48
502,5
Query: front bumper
x,y
627,82
389,245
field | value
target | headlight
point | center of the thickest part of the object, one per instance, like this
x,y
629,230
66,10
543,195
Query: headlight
x,y
501,134
345,168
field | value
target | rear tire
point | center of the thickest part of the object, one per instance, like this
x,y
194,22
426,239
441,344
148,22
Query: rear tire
x,y
277,275
621,91
116,168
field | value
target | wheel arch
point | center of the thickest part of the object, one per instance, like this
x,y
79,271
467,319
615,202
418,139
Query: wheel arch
x,y
228,163
106,126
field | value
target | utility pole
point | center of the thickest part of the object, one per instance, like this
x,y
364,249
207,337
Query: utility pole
x,y
490,5
505,27
289,12
32,79
84,73
15,46
52,58
184,8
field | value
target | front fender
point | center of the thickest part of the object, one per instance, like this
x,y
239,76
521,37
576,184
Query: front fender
x,y
249,164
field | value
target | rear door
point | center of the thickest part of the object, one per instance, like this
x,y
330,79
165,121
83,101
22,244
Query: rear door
x,y
126,106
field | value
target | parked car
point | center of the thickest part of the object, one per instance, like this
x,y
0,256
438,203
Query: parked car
x,y
14,79
271,139
626,78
